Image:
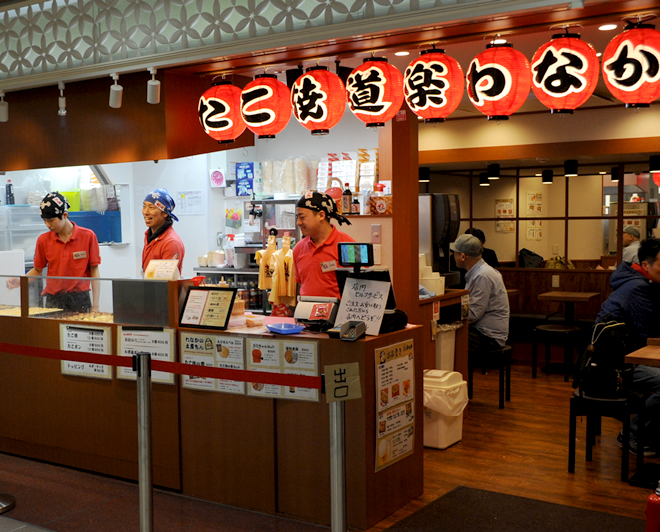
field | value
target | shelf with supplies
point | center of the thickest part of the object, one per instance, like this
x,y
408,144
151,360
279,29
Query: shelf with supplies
x,y
245,280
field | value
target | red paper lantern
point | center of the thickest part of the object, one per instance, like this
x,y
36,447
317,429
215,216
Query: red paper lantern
x,y
318,99
433,85
374,91
498,81
564,73
220,112
631,65
266,106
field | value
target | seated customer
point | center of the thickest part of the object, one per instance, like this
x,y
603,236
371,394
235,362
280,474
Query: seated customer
x,y
635,300
489,302
489,255
631,243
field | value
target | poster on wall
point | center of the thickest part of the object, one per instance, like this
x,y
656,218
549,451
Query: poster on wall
x,y
158,343
505,227
85,339
395,403
534,203
504,208
534,230
189,202
213,351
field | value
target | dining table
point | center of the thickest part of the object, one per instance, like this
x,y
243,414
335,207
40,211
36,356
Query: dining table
x,y
569,299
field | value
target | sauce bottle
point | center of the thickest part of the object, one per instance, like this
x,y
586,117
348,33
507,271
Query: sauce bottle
x,y
355,206
346,200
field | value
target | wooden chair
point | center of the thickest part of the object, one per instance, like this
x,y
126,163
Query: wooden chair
x,y
555,333
499,359
594,408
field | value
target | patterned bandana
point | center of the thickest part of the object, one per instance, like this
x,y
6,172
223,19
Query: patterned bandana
x,y
320,201
161,198
53,205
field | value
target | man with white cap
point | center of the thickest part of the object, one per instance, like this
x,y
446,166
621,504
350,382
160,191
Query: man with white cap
x,y
489,302
160,239
631,243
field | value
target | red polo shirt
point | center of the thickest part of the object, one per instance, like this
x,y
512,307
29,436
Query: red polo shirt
x,y
308,257
73,258
165,246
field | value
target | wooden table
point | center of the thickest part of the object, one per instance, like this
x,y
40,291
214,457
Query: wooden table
x,y
648,355
569,299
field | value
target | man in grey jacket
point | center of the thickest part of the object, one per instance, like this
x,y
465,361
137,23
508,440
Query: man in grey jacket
x,y
489,302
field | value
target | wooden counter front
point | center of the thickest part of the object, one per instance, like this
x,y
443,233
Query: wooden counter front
x,y
80,422
273,455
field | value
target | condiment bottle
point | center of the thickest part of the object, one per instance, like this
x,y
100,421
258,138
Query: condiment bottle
x,y
346,200
355,206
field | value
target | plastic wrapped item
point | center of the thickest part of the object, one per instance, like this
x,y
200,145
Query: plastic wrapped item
x,y
301,173
289,176
445,399
267,183
313,174
278,178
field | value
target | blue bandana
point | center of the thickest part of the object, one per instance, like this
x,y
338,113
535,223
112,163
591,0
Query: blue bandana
x,y
161,198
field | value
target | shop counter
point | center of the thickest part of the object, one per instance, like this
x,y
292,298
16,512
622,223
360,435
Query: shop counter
x,y
273,455
261,453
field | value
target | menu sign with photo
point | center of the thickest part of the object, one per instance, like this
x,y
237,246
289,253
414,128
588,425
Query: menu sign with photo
x,y
85,339
158,343
364,300
208,307
395,403
213,351
292,357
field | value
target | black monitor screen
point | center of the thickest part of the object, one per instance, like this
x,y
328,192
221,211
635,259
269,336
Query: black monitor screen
x,y
356,254
373,275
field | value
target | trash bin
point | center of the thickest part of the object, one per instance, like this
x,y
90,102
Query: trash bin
x,y
445,342
445,398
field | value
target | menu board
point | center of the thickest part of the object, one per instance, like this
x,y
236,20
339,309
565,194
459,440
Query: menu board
x,y
363,300
159,343
208,307
214,351
395,400
293,357
85,339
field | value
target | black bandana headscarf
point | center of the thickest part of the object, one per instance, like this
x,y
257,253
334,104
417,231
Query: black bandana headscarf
x,y
320,201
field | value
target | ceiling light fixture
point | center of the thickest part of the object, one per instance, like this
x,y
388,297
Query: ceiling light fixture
x,y
615,174
607,27
547,177
61,101
571,168
483,180
116,92
153,88
4,108
493,171
401,54
654,164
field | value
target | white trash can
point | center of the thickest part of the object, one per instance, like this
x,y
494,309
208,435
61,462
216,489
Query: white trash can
x,y
445,398
445,344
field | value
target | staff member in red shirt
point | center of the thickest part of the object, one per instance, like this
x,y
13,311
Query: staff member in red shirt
x,y
315,257
160,239
68,251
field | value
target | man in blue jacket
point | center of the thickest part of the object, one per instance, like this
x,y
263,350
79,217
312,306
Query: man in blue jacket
x,y
635,300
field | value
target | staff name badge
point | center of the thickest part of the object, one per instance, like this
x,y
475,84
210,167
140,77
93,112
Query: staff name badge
x,y
79,254
329,266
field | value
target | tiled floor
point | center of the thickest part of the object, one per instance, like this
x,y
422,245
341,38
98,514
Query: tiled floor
x,y
54,498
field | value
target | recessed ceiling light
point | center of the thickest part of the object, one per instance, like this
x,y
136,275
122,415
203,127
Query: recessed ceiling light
x,y
607,27
402,54
424,180
602,172
499,41
599,54
538,175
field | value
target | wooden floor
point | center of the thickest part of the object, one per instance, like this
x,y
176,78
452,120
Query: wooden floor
x,y
523,450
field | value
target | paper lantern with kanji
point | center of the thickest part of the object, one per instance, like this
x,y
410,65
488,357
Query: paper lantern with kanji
x,y
318,100
564,73
631,65
220,112
374,91
433,85
266,106
498,81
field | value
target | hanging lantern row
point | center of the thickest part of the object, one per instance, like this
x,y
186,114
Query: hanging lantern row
x,y
563,74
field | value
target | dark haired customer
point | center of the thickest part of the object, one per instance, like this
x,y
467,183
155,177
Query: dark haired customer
x,y
489,255
635,300
68,251
316,257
